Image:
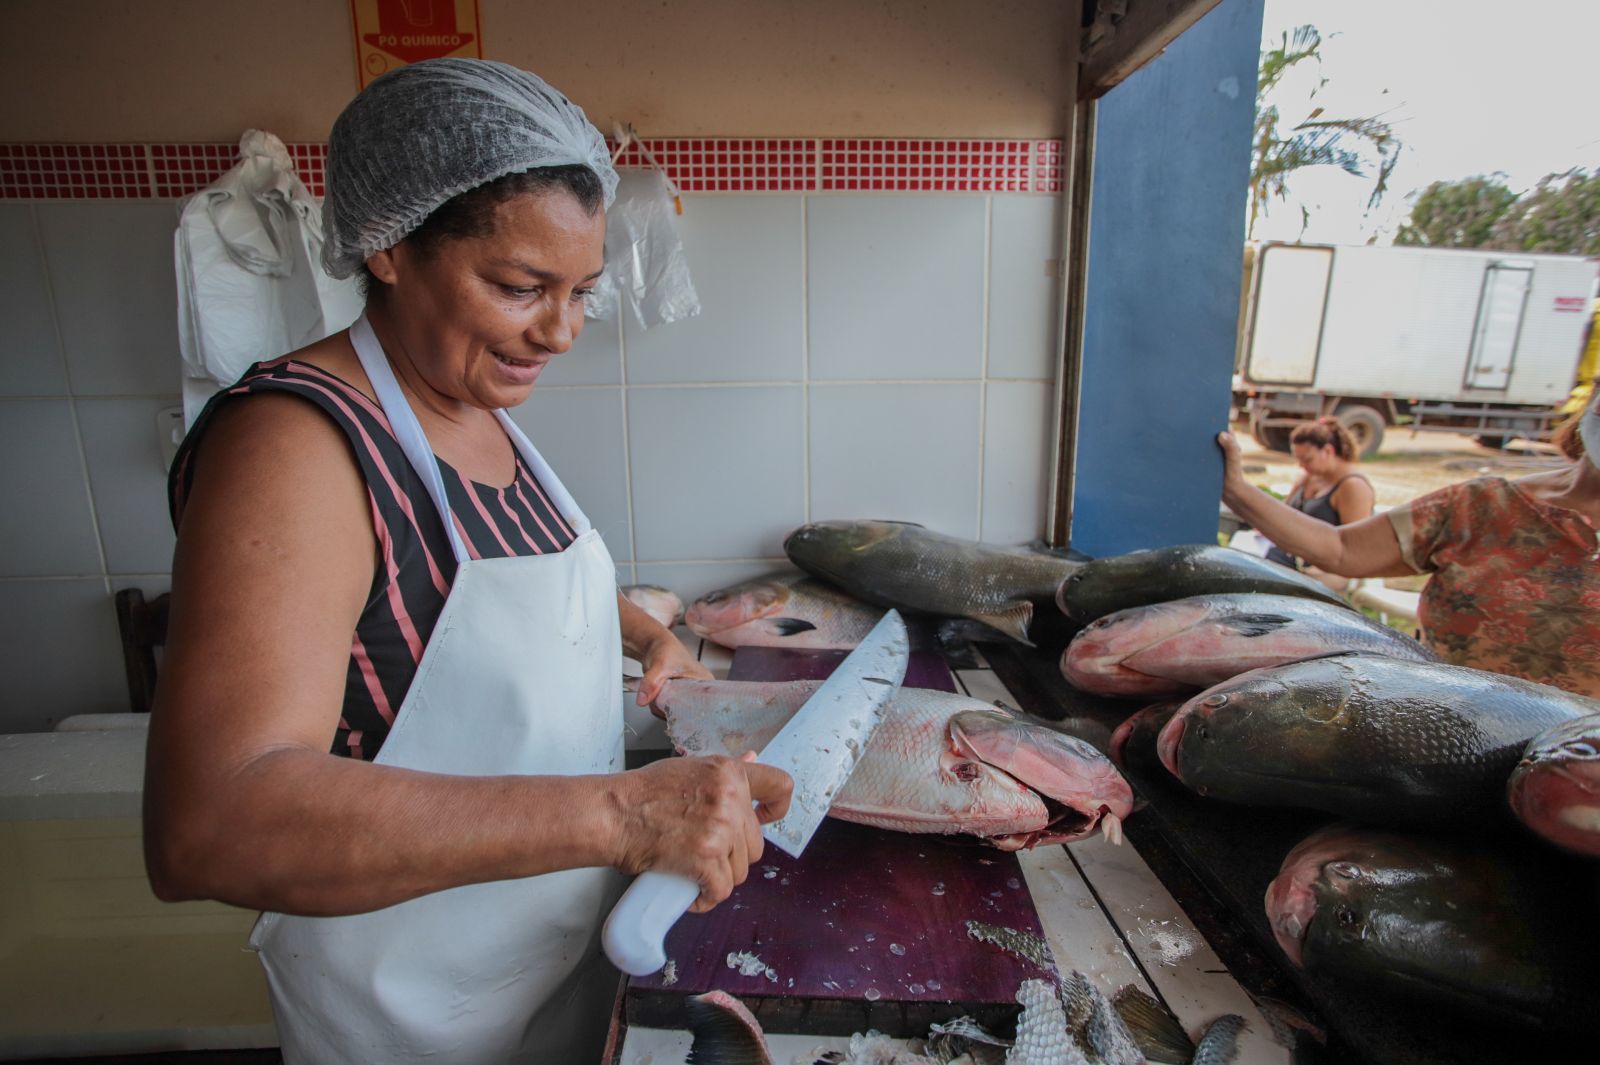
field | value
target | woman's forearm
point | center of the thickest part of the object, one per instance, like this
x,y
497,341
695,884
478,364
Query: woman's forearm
x,y
1315,541
305,832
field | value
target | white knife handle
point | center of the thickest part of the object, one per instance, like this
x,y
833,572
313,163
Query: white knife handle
x,y
636,932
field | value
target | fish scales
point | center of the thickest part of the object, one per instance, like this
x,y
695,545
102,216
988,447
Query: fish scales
x,y
1364,736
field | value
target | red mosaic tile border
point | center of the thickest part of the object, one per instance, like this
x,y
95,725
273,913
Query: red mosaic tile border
x,y
696,164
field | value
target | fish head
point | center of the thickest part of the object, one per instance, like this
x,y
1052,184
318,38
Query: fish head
x,y
1123,652
1555,788
739,604
1137,734
1270,722
1086,790
828,548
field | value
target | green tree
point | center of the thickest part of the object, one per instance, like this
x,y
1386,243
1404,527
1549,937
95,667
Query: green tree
x,y
1315,140
1561,214
1456,214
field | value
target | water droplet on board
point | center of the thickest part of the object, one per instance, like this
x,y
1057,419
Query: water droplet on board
x,y
917,989
938,889
872,994
872,937
934,985
897,949
1013,883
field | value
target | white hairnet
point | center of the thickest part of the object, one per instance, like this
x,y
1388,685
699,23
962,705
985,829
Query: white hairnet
x,y
424,133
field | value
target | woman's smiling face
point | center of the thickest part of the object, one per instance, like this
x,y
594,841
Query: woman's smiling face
x,y
478,318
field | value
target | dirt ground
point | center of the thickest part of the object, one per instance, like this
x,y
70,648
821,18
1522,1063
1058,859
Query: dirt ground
x,y
1408,464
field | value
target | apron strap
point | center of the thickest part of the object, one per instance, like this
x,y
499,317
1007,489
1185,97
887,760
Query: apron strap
x,y
414,442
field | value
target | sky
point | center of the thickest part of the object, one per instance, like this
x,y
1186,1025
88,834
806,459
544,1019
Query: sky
x,y
1471,87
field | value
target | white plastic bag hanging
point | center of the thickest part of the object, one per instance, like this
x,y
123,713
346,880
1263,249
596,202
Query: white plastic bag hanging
x,y
646,267
248,251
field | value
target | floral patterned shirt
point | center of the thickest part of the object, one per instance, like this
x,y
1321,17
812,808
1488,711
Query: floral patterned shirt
x,y
1516,582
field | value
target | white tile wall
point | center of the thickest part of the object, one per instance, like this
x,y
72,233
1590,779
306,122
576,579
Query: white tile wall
x,y
717,473
115,292
30,355
1025,246
895,286
745,255
858,356
901,452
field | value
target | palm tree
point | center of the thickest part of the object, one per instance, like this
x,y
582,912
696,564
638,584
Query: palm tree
x,y
1315,140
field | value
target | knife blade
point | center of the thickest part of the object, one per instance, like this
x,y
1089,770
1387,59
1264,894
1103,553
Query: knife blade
x,y
818,748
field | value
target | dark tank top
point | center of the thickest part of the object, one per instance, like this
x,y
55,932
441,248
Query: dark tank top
x,y
1319,507
416,568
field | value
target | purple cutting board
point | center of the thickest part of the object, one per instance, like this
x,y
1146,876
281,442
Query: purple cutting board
x,y
866,917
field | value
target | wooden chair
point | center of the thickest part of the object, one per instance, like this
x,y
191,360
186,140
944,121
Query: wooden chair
x,y
144,628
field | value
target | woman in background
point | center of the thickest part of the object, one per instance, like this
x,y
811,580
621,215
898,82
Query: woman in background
x,y
1515,565
1329,489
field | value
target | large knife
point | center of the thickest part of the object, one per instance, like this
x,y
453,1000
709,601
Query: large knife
x,y
818,748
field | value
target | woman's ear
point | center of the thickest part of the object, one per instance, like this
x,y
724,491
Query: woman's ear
x,y
381,264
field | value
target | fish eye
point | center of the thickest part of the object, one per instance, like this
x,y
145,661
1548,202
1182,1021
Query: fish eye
x,y
1346,917
1219,699
714,597
1581,748
1345,870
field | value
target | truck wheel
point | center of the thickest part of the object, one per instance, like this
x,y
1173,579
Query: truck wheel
x,y
1273,438
1365,426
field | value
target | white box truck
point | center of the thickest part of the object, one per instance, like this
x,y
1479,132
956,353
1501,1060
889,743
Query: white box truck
x,y
1467,341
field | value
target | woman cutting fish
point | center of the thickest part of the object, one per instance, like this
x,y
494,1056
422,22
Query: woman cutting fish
x,y
390,713
1515,565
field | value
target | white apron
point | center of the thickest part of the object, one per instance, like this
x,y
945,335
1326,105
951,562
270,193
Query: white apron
x,y
522,675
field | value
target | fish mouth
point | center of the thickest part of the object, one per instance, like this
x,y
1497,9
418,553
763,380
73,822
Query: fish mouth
x,y
1291,905
1558,804
1171,737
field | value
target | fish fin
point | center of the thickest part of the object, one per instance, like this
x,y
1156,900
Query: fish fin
x,y
1159,1034
725,1032
790,626
1251,625
1012,620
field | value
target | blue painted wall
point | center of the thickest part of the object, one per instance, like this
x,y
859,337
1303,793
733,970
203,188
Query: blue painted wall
x,y
1166,235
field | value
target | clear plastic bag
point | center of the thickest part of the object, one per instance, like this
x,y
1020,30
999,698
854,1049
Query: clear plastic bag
x,y
646,267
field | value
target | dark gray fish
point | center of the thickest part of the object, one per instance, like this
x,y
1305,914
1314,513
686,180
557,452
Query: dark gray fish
x,y
1495,926
917,570
1144,577
1366,737
1160,1036
1187,644
1133,743
725,1033
1220,1043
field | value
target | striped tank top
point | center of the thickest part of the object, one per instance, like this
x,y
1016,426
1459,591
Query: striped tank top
x,y
417,566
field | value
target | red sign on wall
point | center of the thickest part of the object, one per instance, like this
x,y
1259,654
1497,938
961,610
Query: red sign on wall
x,y
392,33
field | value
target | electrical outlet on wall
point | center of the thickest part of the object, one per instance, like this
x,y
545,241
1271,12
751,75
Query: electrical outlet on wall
x,y
169,430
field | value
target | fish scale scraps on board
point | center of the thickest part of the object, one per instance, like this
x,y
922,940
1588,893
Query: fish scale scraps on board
x,y
939,762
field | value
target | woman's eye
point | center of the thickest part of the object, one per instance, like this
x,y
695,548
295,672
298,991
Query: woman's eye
x,y
520,292
581,294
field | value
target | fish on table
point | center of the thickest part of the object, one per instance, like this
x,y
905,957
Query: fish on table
x,y
1133,743
1188,644
939,762
1365,736
1555,788
1140,578
660,603
782,610
914,569
1485,924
